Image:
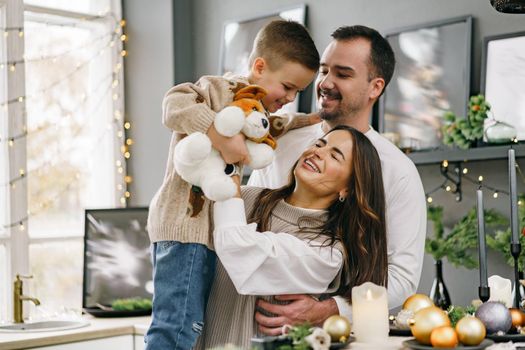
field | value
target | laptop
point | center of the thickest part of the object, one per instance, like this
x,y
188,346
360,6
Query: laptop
x,y
117,260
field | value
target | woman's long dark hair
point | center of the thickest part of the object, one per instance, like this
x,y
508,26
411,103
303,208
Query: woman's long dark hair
x,y
358,222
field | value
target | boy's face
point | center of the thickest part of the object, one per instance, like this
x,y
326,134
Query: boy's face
x,y
282,84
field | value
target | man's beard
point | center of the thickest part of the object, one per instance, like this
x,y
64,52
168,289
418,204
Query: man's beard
x,y
336,113
330,116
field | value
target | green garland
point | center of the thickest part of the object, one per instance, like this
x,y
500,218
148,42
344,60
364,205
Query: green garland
x,y
501,240
460,244
465,132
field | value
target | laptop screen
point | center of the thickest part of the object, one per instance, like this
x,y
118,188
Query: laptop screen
x,y
117,261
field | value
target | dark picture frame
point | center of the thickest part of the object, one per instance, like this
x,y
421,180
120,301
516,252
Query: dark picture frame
x,y
237,41
432,76
503,78
117,259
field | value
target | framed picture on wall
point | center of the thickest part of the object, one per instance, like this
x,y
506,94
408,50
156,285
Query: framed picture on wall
x,y
432,76
503,79
237,41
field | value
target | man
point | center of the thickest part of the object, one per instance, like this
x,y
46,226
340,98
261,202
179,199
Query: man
x,y
355,69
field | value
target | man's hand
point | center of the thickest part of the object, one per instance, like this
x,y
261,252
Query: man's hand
x,y
302,308
232,149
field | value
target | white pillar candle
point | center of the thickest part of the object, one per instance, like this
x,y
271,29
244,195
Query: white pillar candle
x,y
370,313
500,290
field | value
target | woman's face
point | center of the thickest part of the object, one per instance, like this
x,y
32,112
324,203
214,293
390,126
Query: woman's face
x,y
325,168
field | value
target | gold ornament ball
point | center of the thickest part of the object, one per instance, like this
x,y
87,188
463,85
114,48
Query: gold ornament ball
x,y
338,327
518,318
444,337
424,322
471,331
417,302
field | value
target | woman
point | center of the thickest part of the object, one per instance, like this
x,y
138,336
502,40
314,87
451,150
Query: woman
x,y
333,213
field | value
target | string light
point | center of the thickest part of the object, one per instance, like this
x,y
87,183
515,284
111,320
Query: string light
x,y
12,67
479,182
465,170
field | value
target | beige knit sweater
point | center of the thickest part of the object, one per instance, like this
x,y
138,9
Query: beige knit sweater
x,y
176,213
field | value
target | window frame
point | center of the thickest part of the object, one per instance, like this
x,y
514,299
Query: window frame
x,y
15,238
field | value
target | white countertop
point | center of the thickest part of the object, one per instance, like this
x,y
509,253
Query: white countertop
x,y
98,328
110,327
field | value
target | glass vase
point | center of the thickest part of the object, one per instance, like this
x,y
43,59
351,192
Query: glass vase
x,y
438,292
500,132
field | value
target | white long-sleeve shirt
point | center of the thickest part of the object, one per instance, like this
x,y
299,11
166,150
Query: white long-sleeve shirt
x,y
264,263
405,206
270,263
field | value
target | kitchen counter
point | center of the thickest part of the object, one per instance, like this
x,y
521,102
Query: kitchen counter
x,y
98,328
111,327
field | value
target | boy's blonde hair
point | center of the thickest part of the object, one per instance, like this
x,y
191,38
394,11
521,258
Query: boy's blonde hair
x,y
283,41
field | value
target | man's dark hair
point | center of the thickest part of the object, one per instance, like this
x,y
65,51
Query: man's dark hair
x,y
283,41
382,59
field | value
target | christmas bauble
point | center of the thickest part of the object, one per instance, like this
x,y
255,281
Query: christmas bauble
x,y
424,322
417,302
471,331
495,316
518,318
444,337
338,327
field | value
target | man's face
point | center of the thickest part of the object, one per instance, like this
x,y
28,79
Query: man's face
x,y
343,86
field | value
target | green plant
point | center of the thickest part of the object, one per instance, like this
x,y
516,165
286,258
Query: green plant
x,y
131,304
464,132
459,245
456,313
501,240
298,335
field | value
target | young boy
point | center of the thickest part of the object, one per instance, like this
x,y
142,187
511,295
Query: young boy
x,y
284,61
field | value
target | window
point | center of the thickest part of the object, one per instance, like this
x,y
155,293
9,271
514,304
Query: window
x,y
64,144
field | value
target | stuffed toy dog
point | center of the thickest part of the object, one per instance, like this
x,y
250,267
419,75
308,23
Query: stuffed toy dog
x,y
199,164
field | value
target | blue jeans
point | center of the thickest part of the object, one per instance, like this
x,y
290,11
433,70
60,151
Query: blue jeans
x,y
182,278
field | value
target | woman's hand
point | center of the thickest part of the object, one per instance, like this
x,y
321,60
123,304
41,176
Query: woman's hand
x,y
302,308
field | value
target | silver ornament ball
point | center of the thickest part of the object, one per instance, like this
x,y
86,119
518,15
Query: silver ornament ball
x,y
495,316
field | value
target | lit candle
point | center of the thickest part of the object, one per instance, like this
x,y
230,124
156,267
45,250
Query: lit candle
x,y
513,198
481,241
500,290
370,313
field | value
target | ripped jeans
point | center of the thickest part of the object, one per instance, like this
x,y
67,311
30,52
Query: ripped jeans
x,y
182,277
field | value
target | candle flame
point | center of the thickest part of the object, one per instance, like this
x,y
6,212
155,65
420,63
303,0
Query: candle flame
x,y
368,294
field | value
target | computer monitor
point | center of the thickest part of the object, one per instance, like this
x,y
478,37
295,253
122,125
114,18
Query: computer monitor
x,y
117,262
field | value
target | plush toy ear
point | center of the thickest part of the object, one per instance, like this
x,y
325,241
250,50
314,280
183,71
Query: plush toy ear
x,y
254,92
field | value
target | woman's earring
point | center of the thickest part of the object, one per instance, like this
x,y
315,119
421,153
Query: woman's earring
x,y
341,199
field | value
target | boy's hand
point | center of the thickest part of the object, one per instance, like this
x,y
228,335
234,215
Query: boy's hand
x,y
232,149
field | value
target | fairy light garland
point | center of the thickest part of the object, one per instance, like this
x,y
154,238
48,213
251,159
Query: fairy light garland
x,y
479,182
56,83
118,117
